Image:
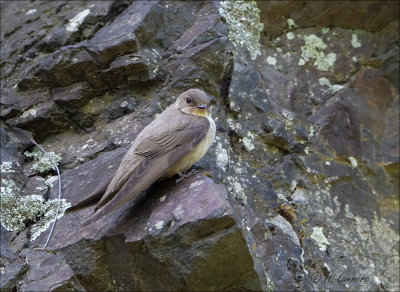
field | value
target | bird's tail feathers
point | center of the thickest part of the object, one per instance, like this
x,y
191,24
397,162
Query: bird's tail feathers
x,y
92,199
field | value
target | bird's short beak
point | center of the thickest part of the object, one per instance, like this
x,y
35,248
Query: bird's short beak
x,y
202,106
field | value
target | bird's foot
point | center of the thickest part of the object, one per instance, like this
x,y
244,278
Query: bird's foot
x,y
185,175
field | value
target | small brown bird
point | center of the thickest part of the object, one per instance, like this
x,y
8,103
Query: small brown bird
x,y
170,144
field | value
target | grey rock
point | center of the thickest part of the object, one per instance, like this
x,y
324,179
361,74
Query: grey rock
x,y
11,277
13,142
74,96
19,240
6,252
36,185
44,119
41,276
299,190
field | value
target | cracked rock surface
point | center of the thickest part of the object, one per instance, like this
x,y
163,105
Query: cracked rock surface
x,y
300,190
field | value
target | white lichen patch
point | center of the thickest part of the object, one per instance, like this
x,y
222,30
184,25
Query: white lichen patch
x,y
42,161
162,199
311,170
159,225
281,197
325,30
17,211
248,141
302,260
30,112
332,88
152,58
287,114
291,23
49,213
234,106
355,42
178,211
313,50
6,167
293,186
331,179
290,36
248,144
195,184
319,236
289,117
233,125
243,18
51,180
222,155
271,60
30,11
353,161
239,191
235,187
77,20
311,131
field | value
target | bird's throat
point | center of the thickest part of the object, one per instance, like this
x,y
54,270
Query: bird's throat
x,y
198,112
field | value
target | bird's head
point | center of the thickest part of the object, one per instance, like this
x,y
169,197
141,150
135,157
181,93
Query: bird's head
x,y
195,102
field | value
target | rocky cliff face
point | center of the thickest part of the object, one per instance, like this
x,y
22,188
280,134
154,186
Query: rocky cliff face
x,y
298,192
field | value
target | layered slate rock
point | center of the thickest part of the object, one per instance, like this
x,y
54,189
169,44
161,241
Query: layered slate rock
x,y
299,190
186,232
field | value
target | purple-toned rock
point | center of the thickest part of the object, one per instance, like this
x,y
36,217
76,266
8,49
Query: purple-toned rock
x,y
304,167
188,230
80,182
10,277
36,185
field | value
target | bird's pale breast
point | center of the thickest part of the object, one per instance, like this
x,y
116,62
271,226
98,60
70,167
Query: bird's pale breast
x,y
195,154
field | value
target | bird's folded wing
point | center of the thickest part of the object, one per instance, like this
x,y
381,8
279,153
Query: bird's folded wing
x,y
161,151
147,145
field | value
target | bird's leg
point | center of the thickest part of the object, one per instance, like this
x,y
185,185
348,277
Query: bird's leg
x,y
184,175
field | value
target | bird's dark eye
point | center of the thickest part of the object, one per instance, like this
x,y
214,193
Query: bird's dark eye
x,y
188,100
